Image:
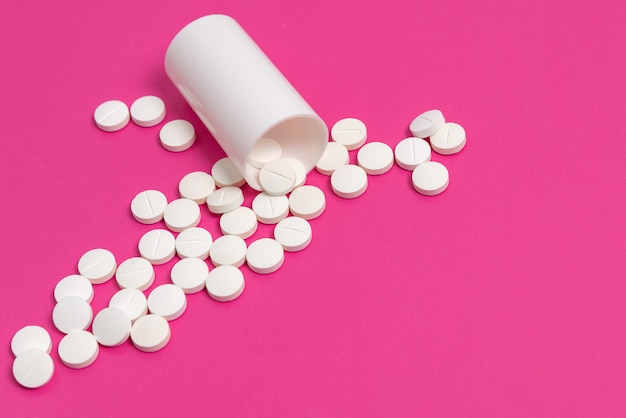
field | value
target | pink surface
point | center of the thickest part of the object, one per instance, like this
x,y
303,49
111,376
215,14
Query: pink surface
x,y
504,296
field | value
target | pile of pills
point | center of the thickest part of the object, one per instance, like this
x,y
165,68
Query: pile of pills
x,y
208,263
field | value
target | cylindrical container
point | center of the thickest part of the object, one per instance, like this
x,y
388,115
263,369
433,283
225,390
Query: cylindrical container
x,y
240,95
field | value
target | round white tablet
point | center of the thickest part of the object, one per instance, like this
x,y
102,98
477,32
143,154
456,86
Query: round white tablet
x,y
132,301
350,132
181,214
135,273
225,173
150,333
111,327
411,152
111,116
196,186
194,242
225,283
334,156
228,250
147,111
177,135
265,256
74,285
264,151
97,265
78,349
168,301
190,274
300,170
307,202
430,178
148,206
33,368
448,140
241,222
225,200
72,314
375,158
293,233
270,209
31,336
158,246
349,181
278,177
427,124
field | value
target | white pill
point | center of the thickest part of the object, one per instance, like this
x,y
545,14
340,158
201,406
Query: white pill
x,y
158,246
350,132
181,214
225,200
194,242
307,202
349,181
74,285
448,140
225,173
111,327
132,301
264,151
427,124
31,336
33,368
190,274
111,116
375,158
177,135
147,111
300,170
241,222
196,186
334,156
270,209
135,273
148,206
72,314
168,301
225,283
97,265
265,256
293,233
78,349
430,178
150,333
411,152
278,177
228,250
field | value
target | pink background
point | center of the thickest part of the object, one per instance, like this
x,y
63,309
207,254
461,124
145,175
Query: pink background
x,y
504,296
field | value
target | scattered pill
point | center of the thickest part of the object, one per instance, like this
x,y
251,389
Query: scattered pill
x,y
300,170
194,242
196,186
293,233
150,333
225,200
265,256
411,152
112,116
427,124
181,214
31,336
430,178
147,111
264,151
135,273
132,301
278,177
350,132
241,222
334,156
97,265
270,209
158,246
74,285
177,135
148,206
72,314
307,202
448,140
168,301
111,327
33,368
375,158
225,173
190,274
228,250
78,349
349,181
225,283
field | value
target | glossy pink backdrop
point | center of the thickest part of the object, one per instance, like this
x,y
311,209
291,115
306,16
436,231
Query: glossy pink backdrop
x,y
504,296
